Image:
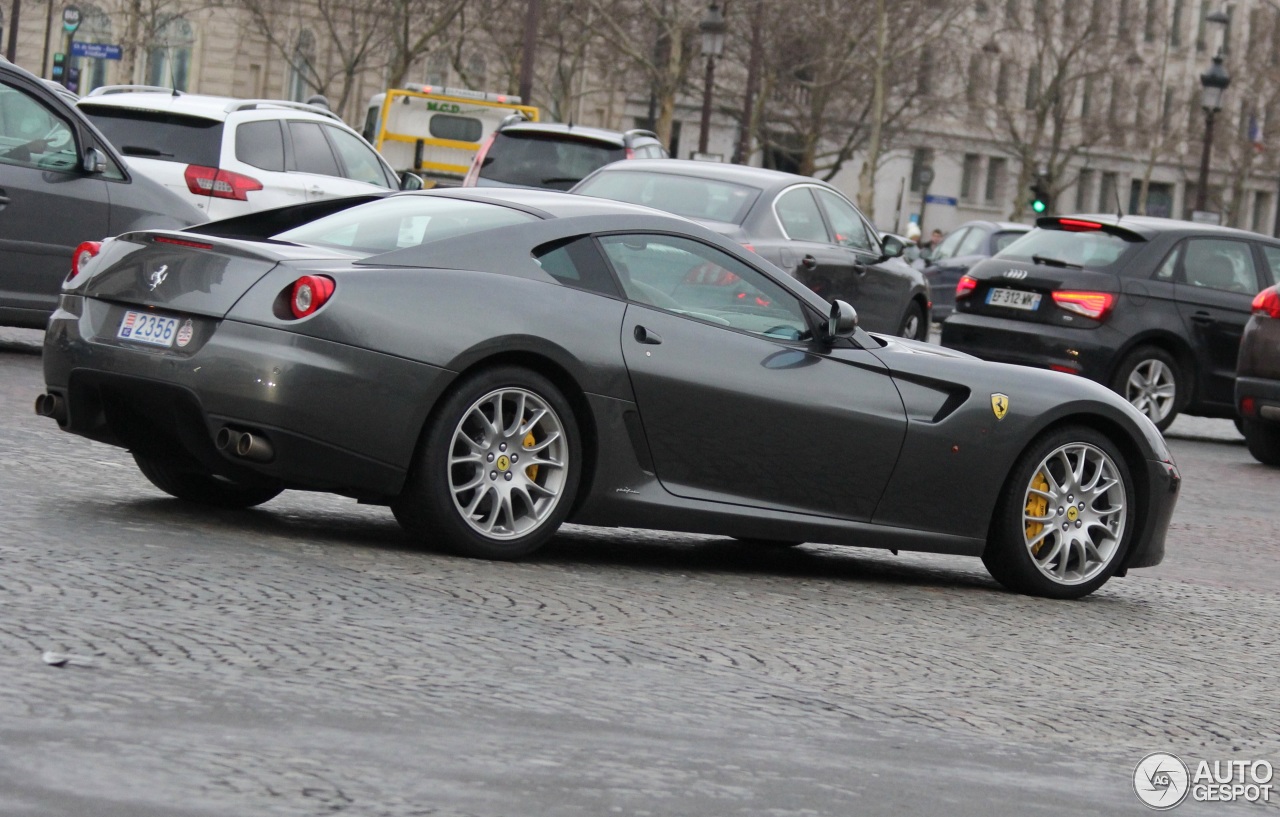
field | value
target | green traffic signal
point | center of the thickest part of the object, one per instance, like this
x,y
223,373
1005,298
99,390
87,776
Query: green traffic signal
x,y
1039,206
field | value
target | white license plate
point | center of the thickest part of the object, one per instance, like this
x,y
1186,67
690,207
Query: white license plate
x,y
1014,299
143,327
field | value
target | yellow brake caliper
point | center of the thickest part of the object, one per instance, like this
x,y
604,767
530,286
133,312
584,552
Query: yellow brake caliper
x,y
530,441
1037,506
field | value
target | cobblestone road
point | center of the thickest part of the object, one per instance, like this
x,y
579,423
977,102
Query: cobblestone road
x,y
301,658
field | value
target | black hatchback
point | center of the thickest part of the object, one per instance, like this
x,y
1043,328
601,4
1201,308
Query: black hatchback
x,y
1153,308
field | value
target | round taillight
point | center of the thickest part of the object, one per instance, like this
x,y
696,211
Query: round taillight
x,y
309,294
81,256
1267,302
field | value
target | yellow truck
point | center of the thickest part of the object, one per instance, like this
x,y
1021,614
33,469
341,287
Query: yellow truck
x,y
435,131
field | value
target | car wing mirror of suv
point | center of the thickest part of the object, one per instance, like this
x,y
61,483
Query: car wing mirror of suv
x,y
93,162
411,181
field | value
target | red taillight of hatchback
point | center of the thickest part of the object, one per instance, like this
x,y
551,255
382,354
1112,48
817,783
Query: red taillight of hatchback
x,y
1267,303
310,292
86,250
220,184
965,286
1094,305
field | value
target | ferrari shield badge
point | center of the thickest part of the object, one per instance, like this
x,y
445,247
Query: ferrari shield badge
x,y
1000,405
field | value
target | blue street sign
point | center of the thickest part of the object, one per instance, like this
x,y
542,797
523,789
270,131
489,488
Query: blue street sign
x,y
948,200
99,51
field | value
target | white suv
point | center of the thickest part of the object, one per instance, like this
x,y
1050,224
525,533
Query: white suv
x,y
232,156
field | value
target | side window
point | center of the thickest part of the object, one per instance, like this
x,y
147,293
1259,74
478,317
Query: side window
x,y
947,248
1272,254
1003,240
846,221
577,263
1219,264
260,144
311,153
1168,269
973,243
33,136
690,278
799,215
361,163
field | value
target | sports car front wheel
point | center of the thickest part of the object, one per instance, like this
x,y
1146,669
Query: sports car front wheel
x,y
195,485
498,469
1064,522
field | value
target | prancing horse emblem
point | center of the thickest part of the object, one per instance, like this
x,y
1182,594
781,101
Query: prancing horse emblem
x,y
1000,405
157,277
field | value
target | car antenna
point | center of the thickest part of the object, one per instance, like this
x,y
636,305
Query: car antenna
x,y
1119,209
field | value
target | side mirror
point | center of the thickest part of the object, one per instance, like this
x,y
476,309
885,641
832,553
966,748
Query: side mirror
x,y
93,161
411,181
892,246
843,320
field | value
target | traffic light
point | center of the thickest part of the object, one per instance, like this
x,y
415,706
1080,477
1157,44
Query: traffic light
x,y
1040,200
59,65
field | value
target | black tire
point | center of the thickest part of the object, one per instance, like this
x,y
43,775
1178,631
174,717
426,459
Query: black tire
x,y
1263,440
914,325
426,508
1009,553
766,543
1135,370
194,485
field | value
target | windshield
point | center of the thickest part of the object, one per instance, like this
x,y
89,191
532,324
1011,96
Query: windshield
x,y
544,160
683,195
402,221
1092,249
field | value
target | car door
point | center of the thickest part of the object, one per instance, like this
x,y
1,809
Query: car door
x,y
48,204
737,405
1214,291
809,253
883,289
317,164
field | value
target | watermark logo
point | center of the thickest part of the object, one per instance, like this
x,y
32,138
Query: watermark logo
x,y
1161,781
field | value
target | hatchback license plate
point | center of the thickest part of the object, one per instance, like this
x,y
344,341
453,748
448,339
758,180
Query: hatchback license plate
x,y
1014,299
142,327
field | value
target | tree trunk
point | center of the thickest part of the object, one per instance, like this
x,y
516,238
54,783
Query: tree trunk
x,y
871,162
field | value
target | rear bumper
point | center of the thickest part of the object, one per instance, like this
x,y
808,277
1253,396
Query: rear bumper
x,y
1086,352
1163,483
339,418
1265,394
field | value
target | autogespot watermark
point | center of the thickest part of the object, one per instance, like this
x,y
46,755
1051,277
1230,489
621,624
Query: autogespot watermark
x,y
1162,781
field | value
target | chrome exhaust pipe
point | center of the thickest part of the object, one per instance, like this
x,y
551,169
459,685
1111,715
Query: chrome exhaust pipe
x,y
254,447
52,405
226,438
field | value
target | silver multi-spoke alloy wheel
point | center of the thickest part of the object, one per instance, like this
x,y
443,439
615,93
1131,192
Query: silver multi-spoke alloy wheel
x,y
1152,388
1074,514
508,463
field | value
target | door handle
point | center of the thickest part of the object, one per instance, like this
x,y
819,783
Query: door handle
x,y
1202,318
861,269
809,262
643,335
4,197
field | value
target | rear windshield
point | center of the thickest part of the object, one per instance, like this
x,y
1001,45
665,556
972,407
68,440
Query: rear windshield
x,y
683,195
544,160
402,221
153,135
1092,249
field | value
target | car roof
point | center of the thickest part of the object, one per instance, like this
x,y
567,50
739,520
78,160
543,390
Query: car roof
x,y
759,177
554,203
150,98
1150,226
613,137
1016,226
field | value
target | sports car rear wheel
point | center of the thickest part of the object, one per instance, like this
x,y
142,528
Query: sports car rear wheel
x,y
499,467
196,485
1063,524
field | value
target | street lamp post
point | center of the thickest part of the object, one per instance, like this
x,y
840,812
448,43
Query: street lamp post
x,y
713,28
1213,84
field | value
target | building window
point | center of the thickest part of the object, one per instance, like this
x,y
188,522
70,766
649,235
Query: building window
x,y
1003,78
969,176
924,75
996,171
1123,18
1011,12
438,69
977,79
1175,24
1261,209
302,66
1107,193
477,73
920,159
1166,113
1033,88
169,57
1084,191
1201,44
1151,26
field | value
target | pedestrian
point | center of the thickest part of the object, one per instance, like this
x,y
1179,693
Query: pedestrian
x,y
927,248
912,253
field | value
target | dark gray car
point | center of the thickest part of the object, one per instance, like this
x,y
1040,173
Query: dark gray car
x,y
61,183
493,362
804,226
965,246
